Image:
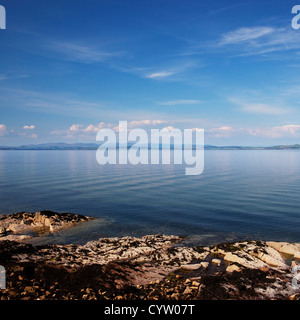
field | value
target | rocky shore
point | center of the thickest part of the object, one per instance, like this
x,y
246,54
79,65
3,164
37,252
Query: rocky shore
x,y
156,267
23,225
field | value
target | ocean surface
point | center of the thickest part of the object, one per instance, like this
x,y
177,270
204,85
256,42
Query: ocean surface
x,y
243,194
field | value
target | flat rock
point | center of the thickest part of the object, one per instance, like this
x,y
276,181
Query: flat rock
x,y
292,249
190,266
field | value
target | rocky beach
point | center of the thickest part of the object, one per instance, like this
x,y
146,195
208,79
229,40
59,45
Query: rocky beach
x,y
153,267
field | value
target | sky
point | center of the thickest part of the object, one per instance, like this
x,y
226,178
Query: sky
x,y
71,67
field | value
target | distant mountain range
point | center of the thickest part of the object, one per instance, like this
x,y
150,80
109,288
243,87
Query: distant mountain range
x,y
94,146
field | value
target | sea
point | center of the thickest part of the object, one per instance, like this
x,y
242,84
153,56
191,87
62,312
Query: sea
x,y
241,195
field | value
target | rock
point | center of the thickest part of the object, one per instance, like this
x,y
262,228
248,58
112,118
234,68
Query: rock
x,y
297,255
295,296
151,265
190,266
271,260
216,262
232,268
16,237
204,265
244,259
3,231
24,222
264,269
187,290
19,228
292,249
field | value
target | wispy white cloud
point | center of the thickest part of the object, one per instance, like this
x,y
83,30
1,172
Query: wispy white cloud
x,y
12,75
222,9
244,35
259,108
160,74
285,131
259,40
80,53
179,102
55,103
263,109
290,130
171,70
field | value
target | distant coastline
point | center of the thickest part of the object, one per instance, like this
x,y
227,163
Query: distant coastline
x,y
94,146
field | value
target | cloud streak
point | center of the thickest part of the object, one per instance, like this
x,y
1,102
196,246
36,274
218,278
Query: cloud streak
x,y
160,74
259,40
244,35
55,103
80,53
179,102
259,108
285,131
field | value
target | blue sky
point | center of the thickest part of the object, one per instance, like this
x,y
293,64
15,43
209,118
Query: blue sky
x,y
69,68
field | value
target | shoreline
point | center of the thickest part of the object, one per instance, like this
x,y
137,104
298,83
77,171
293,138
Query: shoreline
x,y
153,267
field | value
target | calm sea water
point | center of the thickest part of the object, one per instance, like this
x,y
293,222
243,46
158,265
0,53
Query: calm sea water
x,y
240,195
